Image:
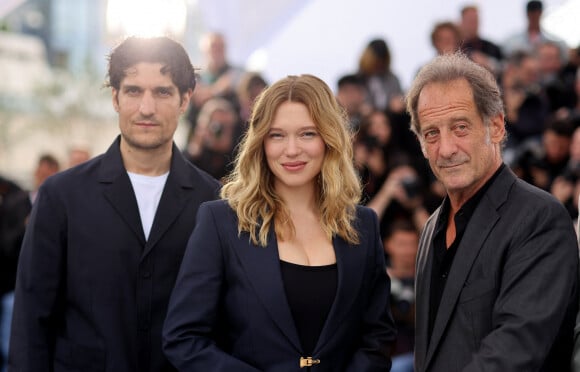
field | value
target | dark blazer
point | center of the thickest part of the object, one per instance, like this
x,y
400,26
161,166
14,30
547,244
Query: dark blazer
x,y
229,312
91,293
512,293
15,207
575,363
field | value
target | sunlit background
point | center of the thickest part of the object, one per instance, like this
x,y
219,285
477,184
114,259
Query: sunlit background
x,y
53,52
146,17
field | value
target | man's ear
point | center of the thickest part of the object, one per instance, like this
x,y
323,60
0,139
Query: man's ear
x,y
497,128
115,98
185,98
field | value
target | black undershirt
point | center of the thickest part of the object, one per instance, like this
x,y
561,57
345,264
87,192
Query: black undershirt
x,y
442,255
310,291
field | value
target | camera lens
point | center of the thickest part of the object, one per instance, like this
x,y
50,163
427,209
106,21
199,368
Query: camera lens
x,y
216,128
411,186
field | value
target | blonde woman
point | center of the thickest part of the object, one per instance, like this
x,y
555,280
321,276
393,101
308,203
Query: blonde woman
x,y
286,272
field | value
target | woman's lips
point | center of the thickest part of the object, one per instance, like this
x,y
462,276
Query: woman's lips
x,y
294,166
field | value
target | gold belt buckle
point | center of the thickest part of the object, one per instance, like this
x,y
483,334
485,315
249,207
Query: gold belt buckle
x,y
308,362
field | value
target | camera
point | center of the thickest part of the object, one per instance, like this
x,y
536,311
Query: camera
x,y
411,186
216,129
572,174
371,143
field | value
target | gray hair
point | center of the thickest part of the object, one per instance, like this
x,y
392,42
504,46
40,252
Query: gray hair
x,y
456,66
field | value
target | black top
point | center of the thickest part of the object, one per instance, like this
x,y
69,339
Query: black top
x,y
310,291
442,255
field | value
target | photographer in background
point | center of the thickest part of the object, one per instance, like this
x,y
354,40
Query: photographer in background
x,y
541,163
212,143
14,209
401,196
566,187
373,151
393,184
400,243
525,101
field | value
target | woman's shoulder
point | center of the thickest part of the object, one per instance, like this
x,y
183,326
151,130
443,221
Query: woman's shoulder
x,y
218,206
365,217
364,212
220,212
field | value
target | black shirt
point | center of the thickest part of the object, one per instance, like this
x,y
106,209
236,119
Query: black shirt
x,y
443,256
310,291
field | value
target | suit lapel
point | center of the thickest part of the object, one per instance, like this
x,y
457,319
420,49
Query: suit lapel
x,y
119,191
423,285
262,267
176,193
480,225
351,266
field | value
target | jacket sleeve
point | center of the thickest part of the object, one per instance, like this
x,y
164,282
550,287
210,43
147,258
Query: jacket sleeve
x,y
576,351
377,326
538,280
39,291
191,322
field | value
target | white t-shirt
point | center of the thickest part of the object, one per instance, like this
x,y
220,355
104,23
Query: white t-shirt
x,y
148,192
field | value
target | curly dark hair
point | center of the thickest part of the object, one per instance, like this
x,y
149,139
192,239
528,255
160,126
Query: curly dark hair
x,y
162,50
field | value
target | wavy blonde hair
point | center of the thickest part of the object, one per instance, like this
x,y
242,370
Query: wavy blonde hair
x,y
249,189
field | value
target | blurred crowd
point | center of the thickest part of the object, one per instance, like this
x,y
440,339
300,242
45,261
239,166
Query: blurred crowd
x,y
540,80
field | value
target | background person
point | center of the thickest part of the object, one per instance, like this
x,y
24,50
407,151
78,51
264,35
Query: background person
x,y
217,78
480,50
400,243
287,271
529,39
383,87
212,144
14,208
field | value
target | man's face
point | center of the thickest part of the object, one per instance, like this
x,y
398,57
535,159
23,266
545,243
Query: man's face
x,y
149,106
43,171
216,50
557,147
462,151
470,24
534,17
549,59
351,97
529,71
446,41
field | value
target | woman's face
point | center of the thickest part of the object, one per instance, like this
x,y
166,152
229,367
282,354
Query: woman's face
x,y
294,148
379,127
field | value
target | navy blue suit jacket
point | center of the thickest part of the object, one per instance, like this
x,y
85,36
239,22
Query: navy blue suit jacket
x,y
229,312
91,291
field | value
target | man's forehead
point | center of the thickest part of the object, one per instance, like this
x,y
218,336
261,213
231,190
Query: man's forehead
x,y
153,72
147,66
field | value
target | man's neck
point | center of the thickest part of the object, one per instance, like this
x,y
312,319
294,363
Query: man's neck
x,y
146,162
